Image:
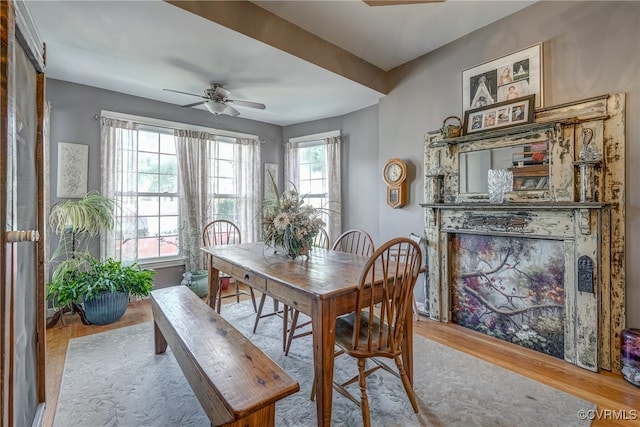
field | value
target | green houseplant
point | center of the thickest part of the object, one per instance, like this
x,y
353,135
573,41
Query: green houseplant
x,y
78,277
103,286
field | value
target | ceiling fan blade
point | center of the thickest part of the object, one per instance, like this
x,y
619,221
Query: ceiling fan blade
x,y
231,111
247,104
220,92
398,2
185,93
194,104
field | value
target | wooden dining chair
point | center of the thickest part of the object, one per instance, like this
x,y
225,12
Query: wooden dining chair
x,y
376,328
224,232
322,239
354,241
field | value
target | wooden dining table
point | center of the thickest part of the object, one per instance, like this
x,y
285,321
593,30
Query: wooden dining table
x,y
322,286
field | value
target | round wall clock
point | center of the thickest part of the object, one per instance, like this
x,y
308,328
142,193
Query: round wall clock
x,y
394,174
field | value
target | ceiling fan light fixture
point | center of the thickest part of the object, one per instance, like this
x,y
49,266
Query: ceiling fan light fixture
x,y
215,107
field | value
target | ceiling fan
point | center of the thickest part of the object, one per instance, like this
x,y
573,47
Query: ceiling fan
x,y
216,99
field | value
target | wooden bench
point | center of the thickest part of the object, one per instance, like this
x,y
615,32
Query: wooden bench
x,y
235,382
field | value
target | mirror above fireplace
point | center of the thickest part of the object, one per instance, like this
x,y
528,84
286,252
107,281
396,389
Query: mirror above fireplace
x,y
528,163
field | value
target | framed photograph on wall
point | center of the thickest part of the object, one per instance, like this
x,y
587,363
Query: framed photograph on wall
x,y
270,170
73,164
510,77
496,116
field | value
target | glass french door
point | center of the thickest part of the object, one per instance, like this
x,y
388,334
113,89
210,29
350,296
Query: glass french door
x,y
22,276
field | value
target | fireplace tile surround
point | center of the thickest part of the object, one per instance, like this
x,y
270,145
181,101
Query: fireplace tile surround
x,y
591,230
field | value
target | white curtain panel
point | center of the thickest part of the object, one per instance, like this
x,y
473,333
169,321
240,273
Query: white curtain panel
x,y
291,166
193,149
332,153
248,186
119,165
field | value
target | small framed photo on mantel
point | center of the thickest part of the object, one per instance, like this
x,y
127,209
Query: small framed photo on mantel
x,y
501,115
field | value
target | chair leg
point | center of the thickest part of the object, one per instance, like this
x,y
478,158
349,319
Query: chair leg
x,y
408,387
263,298
285,323
364,400
292,330
219,297
253,299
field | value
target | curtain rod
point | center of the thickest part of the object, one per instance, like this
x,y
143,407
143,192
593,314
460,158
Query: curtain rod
x,y
315,136
174,125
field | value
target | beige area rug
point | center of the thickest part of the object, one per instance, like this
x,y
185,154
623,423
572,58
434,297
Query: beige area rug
x,y
115,379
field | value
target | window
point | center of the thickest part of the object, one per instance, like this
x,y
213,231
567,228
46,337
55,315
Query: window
x,y
223,196
169,178
153,203
313,173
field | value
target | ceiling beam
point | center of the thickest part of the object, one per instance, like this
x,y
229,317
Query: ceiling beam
x,y
398,2
262,25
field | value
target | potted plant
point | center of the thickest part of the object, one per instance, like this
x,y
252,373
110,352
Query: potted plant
x,y
103,286
197,281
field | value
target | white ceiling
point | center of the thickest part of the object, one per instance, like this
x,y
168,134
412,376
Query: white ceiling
x,y
141,47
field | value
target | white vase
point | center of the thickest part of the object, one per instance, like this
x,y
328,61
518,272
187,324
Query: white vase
x,y
499,181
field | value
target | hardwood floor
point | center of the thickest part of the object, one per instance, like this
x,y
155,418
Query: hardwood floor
x,y
615,397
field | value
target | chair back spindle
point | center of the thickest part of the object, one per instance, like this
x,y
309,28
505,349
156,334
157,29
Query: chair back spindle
x,y
322,239
354,241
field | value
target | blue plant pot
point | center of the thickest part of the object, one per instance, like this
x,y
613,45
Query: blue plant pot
x,y
106,308
200,284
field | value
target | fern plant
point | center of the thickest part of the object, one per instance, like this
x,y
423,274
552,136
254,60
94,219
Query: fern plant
x,y
77,221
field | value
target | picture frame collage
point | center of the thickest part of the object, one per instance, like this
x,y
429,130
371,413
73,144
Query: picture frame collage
x,y
503,92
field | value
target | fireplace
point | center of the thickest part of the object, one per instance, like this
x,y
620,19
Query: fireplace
x,y
545,268
510,288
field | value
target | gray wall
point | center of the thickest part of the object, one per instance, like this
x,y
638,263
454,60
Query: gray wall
x,y
591,48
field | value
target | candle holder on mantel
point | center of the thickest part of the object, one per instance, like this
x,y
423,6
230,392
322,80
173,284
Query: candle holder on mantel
x,y
590,158
436,176
436,179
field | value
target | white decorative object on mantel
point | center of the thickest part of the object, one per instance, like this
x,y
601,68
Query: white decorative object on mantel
x,y
499,181
73,163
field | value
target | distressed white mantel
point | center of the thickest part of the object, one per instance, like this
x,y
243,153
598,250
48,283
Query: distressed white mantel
x,y
594,318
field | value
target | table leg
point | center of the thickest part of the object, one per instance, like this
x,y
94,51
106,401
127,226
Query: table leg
x,y
214,282
324,327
